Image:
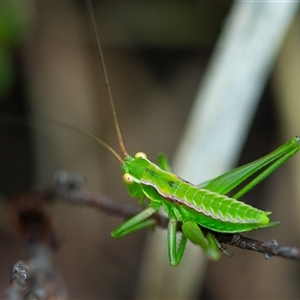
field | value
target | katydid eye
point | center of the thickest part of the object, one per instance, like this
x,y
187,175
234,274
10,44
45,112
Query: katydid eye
x,y
140,155
128,178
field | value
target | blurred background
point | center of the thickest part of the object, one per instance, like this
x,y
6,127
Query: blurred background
x,y
156,54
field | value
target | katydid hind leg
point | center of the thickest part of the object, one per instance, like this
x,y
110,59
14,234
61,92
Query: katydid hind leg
x,y
266,172
231,179
137,222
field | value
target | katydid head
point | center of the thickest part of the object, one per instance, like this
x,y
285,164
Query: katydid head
x,y
133,169
128,178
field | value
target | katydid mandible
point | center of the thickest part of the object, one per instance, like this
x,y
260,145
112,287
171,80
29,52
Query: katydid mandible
x,y
195,206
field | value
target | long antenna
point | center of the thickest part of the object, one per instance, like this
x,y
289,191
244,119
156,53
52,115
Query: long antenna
x,y
102,61
31,121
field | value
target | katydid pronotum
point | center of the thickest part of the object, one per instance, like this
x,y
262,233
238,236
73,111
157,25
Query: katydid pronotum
x,y
195,206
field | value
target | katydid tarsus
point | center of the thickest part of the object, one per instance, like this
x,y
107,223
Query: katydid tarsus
x,y
195,206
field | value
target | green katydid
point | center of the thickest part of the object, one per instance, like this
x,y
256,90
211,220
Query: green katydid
x,y
196,206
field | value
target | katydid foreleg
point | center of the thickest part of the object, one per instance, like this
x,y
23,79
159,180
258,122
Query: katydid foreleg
x,y
138,222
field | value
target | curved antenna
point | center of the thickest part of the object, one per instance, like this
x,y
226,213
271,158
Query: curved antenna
x,y
94,137
31,121
97,139
102,61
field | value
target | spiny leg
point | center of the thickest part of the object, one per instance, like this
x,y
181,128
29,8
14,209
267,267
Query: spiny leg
x,y
175,253
193,232
268,164
275,165
136,223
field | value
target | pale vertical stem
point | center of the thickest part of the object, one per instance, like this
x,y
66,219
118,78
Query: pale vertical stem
x,y
218,127
287,91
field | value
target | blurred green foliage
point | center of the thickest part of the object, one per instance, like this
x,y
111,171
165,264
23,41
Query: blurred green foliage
x,y
15,21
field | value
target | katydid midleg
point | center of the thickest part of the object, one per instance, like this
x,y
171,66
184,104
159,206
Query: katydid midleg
x,y
195,206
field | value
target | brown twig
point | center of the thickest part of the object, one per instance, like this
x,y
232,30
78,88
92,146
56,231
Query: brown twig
x,y
42,280
268,249
28,218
